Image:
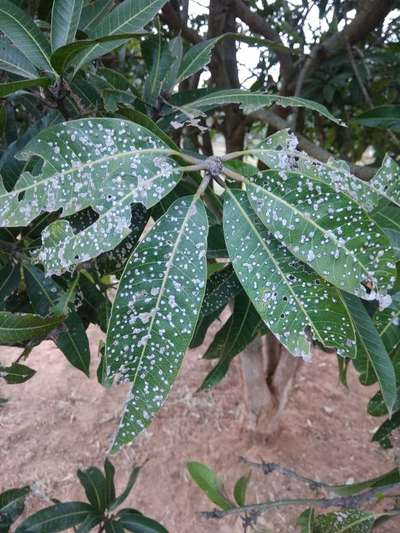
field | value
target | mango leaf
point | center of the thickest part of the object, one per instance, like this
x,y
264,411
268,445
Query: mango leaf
x,y
73,341
369,341
94,483
25,35
175,47
385,116
210,484
389,478
387,216
56,518
160,60
251,101
238,331
16,373
294,302
65,18
119,163
65,56
386,181
19,327
383,433
240,489
92,13
96,307
387,323
12,504
9,281
109,472
91,521
14,86
127,490
306,521
197,57
347,520
202,326
326,230
155,311
14,61
221,287
129,16
138,523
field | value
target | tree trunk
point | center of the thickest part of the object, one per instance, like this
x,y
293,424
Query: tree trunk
x,y
268,373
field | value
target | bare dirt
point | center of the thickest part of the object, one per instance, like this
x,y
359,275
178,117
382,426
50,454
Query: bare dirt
x,y
60,421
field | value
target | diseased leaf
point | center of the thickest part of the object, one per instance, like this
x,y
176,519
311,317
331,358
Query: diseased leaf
x,y
347,520
221,287
294,302
155,311
371,344
210,484
327,230
65,18
306,521
56,518
19,327
25,35
119,163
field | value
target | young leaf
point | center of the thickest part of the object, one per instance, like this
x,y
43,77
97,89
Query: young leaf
x,y
237,332
327,230
209,483
293,301
16,373
19,327
138,523
14,61
9,281
240,490
65,18
155,311
56,518
119,163
371,343
95,485
25,35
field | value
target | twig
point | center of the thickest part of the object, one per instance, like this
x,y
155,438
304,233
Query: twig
x,y
324,503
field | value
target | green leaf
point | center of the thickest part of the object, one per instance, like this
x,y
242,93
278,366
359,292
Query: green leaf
x,y
252,101
197,57
12,504
56,518
101,178
237,332
202,326
43,292
294,302
143,120
95,485
129,16
65,56
389,478
387,323
19,327
65,18
371,343
72,340
92,13
222,286
91,521
14,86
160,62
113,526
133,521
134,473
385,116
347,520
386,182
12,60
175,47
96,306
209,483
387,216
109,472
16,374
9,281
240,490
326,230
25,35
159,297
306,521
383,433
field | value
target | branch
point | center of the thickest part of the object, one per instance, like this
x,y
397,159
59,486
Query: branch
x,y
268,117
258,25
351,502
170,17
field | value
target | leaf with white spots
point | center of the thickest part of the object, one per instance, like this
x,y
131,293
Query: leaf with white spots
x,y
221,287
155,312
387,216
107,164
347,520
327,230
295,303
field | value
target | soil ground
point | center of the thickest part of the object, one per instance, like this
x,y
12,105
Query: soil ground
x,y
60,421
